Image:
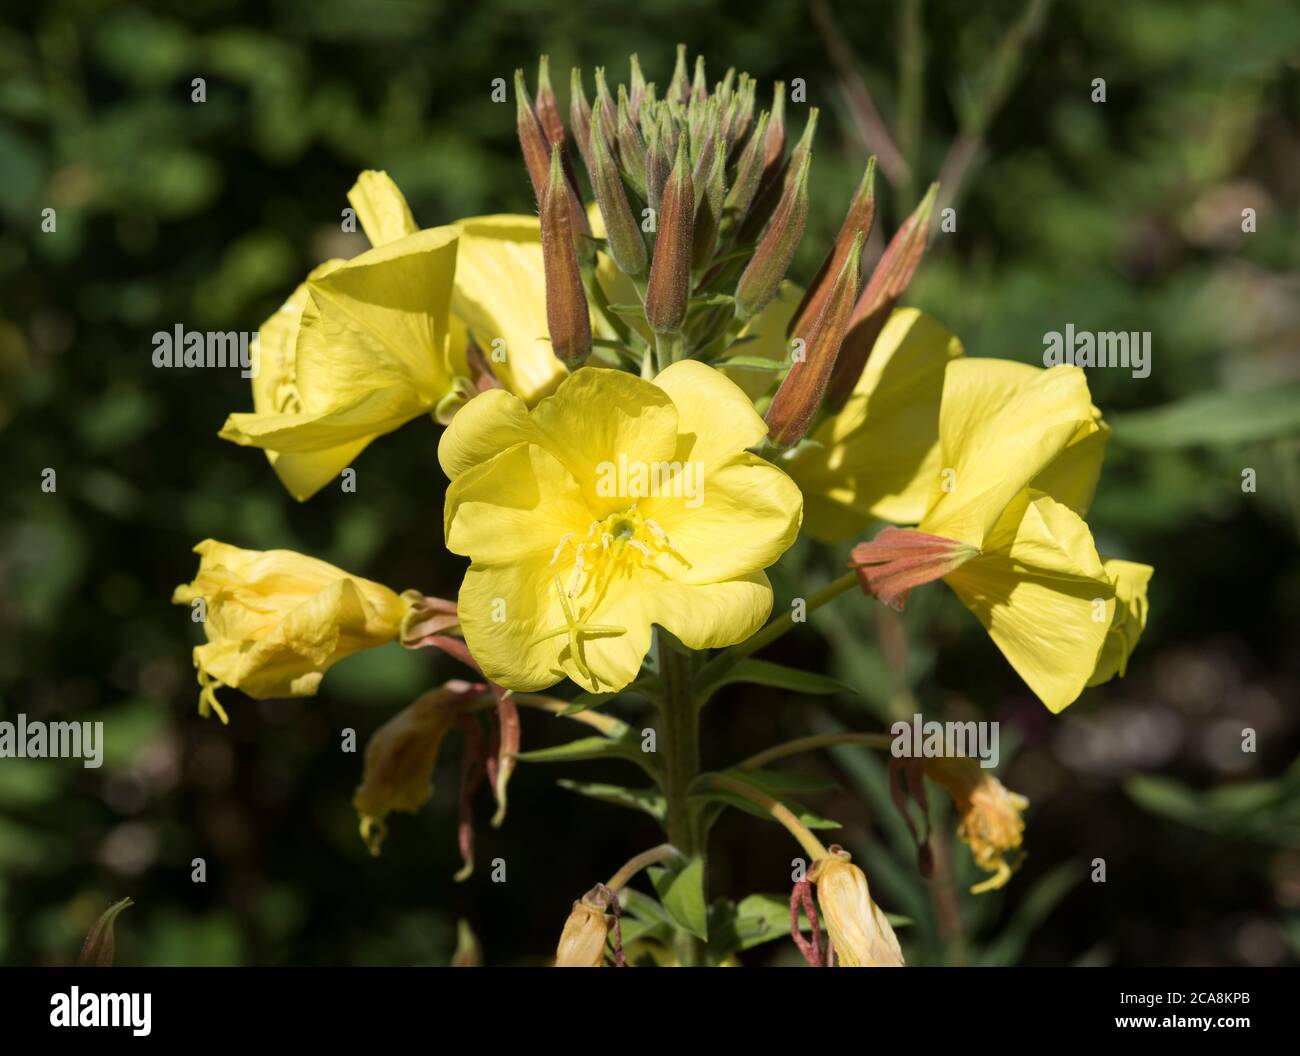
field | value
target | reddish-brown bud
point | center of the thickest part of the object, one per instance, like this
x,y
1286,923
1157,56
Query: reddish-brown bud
x,y
670,273
892,274
567,315
800,395
862,211
767,267
548,107
532,138
774,144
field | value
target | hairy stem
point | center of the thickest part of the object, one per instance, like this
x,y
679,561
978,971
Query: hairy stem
x,y
632,866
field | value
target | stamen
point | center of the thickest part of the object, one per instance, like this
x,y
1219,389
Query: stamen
x,y
563,541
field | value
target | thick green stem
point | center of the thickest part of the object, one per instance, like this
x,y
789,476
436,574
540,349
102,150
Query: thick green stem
x,y
679,743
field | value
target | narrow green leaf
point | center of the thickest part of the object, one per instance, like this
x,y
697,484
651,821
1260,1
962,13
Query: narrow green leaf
x,y
1214,418
648,800
766,673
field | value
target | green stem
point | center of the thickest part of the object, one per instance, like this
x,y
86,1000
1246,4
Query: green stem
x,y
668,349
632,866
811,743
807,840
679,742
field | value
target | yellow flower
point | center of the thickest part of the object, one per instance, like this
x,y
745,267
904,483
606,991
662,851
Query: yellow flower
x,y
359,349
860,933
276,621
1130,579
401,755
582,943
988,816
500,301
1020,452
613,505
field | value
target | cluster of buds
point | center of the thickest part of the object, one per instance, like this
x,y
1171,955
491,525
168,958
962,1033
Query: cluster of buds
x,y
703,209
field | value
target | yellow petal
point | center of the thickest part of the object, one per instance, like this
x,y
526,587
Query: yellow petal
x,y
598,415
1130,579
714,416
1000,425
1043,596
712,615
504,611
746,515
385,217
501,296
486,425
879,456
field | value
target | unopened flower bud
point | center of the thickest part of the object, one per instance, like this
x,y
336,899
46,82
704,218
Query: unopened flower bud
x,y
532,138
631,147
858,222
679,88
800,395
623,233
660,152
97,950
637,93
582,943
892,274
749,173
603,108
708,220
860,933
670,273
548,107
700,83
567,316
762,276
774,141
580,116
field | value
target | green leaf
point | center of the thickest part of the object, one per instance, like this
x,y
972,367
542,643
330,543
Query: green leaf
x,y
766,673
753,362
648,800
775,785
592,748
636,311
646,687
1215,418
681,890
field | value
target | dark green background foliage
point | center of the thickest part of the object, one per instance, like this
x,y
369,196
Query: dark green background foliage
x,y
1122,215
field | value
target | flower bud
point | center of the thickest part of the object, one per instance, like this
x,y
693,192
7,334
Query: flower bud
x,y
623,233
582,943
567,316
638,91
774,141
860,933
708,219
749,173
603,108
988,815
548,107
631,147
858,221
762,276
800,395
892,274
670,273
580,116
532,138
660,153
700,83
679,88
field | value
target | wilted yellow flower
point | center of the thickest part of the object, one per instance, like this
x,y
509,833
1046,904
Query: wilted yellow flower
x,y
359,349
860,932
613,505
401,755
582,943
988,815
1020,452
276,621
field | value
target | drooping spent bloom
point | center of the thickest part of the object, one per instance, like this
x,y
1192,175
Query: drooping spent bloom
x,y
612,506
402,753
276,620
860,933
582,942
989,817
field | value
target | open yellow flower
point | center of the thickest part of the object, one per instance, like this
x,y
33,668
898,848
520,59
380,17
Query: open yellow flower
x,y
276,621
860,932
359,349
613,505
877,457
1130,619
1020,452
